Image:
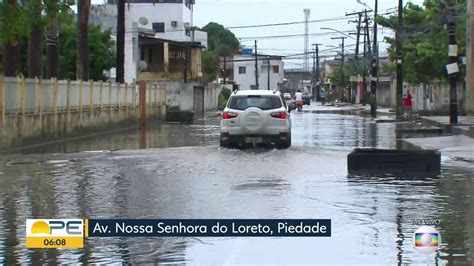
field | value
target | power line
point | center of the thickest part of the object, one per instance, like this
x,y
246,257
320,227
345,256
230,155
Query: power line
x,y
289,35
287,23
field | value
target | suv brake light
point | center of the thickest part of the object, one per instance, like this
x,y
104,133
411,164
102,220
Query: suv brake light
x,y
279,115
229,115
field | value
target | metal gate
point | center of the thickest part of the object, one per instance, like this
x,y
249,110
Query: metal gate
x,y
199,101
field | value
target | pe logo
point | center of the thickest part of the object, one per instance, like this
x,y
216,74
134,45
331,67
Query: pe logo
x,y
427,240
55,233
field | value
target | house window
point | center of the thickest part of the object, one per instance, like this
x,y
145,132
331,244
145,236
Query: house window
x,y
242,70
159,27
150,56
276,69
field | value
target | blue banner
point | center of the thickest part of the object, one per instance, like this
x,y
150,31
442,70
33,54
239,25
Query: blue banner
x,y
208,228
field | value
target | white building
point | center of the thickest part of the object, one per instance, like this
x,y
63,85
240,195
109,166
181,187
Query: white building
x,y
244,71
160,41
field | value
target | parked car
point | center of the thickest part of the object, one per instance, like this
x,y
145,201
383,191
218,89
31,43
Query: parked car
x,y
255,117
306,98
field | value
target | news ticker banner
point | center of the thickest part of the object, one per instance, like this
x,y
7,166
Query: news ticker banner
x,y
70,233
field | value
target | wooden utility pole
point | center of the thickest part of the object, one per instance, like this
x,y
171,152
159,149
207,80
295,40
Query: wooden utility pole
x,y
452,67
316,71
268,74
256,66
470,57
343,77
356,57
399,48
120,60
374,78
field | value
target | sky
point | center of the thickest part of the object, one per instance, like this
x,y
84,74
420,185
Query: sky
x,y
255,12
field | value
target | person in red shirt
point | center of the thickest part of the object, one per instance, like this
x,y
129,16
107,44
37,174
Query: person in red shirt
x,y
408,105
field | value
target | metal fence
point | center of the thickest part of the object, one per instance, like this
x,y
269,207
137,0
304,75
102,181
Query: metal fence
x,y
19,96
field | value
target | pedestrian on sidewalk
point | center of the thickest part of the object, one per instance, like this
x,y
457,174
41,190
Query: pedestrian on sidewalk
x,y
408,106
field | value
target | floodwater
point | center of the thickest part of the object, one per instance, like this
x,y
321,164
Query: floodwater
x,y
184,174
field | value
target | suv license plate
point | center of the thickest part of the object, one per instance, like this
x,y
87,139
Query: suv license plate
x,y
253,140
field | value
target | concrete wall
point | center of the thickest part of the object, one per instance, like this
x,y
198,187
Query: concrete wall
x,y
430,98
180,95
33,111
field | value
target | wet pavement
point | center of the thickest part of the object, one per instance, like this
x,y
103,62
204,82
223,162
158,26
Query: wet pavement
x,y
184,174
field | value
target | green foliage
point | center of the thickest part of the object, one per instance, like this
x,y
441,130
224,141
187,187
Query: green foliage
x,y
223,98
425,39
210,66
16,19
101,49
337,80
221,40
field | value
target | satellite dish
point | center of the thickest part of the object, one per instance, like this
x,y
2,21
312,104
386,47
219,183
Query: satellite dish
x,y
143,21
142,65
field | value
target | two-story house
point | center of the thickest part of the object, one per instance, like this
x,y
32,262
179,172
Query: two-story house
x,y
269,71
160,40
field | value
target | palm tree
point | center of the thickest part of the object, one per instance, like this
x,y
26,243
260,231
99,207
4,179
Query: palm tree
x,y
52,40
35,42
82,66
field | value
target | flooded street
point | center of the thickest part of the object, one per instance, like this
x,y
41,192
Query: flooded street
x,y
183,174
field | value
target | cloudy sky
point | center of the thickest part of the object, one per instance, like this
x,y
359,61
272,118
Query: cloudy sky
x,y
232,13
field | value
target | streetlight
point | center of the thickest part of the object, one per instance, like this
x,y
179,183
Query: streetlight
x,y
338,31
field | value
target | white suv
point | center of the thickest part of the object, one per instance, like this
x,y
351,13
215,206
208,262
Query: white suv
x,y
256,117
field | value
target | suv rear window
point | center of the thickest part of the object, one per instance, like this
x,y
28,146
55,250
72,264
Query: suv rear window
x,y
262,102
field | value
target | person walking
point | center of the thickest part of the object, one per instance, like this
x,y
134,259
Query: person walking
x,y
408,106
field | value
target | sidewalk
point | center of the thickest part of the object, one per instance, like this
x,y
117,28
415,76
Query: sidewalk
x,y
464,127
459,147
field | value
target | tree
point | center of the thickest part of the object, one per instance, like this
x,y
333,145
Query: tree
x,y
52,37
425,40
35,40
82,65
210,63
101,48
12,26
221,40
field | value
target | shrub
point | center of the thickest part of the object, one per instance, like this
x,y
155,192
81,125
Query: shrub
x,y
223,97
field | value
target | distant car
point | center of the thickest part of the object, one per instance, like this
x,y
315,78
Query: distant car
x,y
256,117
306,98
290,103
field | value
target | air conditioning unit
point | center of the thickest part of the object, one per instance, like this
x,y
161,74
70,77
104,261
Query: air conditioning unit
x,y
174,23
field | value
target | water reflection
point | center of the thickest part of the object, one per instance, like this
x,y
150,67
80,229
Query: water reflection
x,y
372,216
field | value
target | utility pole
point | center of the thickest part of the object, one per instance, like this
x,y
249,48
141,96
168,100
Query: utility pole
x,y
318,74
307,14
453,67
313,76
399,48
364,62
342,65
374,79
256,66
359,21
225,69
268,73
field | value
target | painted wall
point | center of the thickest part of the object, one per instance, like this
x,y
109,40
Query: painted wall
x,y
181,95
431,98
35,111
